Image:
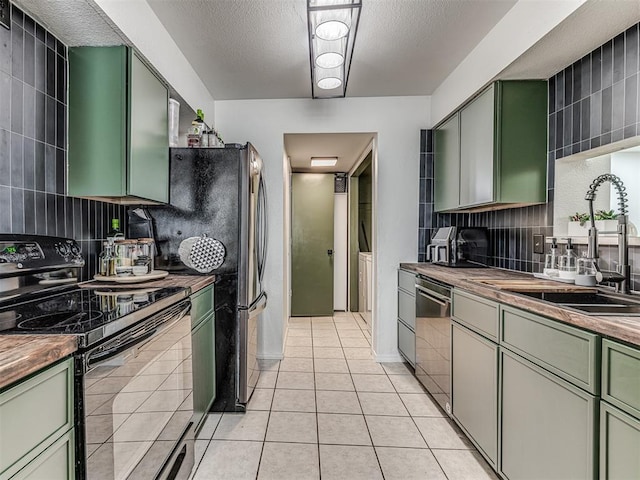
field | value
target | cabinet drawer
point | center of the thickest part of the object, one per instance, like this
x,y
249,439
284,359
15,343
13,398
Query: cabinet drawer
x,y
55,463
407,308
619,444
477,313
35,412
566,351
407,343
621,376
407,281
201,305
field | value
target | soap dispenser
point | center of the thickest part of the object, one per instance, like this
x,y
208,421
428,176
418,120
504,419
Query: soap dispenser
x,y
568,265
551,260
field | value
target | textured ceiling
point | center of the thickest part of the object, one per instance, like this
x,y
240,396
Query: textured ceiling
x,y
593,24
258,49
75,22
348,147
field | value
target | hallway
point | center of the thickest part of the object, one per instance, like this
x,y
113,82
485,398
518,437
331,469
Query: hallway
x,y
329,411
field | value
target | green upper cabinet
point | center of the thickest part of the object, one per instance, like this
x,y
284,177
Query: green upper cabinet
x,y
447,165
118,127
500,157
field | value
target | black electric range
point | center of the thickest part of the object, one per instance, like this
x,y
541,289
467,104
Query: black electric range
x,y
90,312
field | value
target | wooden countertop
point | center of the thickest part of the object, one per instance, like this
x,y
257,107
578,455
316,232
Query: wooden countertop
x,y
194,282
22,355
623,328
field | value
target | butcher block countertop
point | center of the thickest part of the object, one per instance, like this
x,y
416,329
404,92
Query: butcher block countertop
x,y
22,355
502,285
194,282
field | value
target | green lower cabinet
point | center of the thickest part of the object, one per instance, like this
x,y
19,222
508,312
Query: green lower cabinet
x,y
474,389
204,371
55,463
547,426
619,444
35,415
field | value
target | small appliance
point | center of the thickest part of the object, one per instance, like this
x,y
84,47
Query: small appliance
x,y
464,247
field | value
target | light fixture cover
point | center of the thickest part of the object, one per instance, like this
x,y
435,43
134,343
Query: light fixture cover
x,y
332,27
323,161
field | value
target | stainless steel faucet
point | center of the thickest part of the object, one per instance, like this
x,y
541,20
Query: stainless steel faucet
x,y
622,276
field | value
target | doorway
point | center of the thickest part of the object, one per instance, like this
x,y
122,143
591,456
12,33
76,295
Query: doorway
x,y
330,224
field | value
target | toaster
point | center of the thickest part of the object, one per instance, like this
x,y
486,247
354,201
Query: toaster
x,y
459,247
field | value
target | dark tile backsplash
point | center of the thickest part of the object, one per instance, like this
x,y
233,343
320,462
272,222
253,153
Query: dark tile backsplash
x,y
33,122
595,100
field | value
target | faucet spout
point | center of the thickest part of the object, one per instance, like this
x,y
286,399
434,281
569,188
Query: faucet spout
x,y
622,277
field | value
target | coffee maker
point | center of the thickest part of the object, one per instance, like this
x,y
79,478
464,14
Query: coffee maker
x,y
459,247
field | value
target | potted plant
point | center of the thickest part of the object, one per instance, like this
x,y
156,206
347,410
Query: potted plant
x,y
605,221
578,225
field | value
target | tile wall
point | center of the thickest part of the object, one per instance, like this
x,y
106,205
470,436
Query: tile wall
x,y
593,102
33,116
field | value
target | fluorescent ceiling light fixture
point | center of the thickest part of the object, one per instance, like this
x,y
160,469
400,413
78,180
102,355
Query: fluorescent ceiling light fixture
x,y
329,60
323,161
332,27
332,30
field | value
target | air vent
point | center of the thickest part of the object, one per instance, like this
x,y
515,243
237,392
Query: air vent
x,y
340,183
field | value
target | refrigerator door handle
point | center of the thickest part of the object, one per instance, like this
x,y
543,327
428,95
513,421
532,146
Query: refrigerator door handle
x,y
258,305
262,193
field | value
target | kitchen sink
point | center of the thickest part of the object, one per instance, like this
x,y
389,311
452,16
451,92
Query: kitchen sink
x,y
591,303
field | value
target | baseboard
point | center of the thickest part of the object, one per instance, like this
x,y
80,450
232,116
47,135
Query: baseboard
x,y
273,356
388,358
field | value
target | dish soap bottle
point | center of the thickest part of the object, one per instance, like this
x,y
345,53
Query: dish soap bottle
x,y
551,260
568,263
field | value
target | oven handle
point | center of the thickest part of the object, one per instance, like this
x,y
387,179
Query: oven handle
x,y
439,299
136,336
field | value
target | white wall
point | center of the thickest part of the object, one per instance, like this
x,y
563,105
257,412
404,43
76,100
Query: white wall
x,y
522,27
397,121
139,23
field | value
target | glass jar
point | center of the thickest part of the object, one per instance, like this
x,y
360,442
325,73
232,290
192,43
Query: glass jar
x,y
586,272
125,251
107,261
147,250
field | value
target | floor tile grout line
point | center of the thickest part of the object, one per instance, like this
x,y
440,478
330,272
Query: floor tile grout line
x,y
315,396
266,430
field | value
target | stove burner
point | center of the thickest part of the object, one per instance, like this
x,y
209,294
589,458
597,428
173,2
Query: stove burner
x,y
58,320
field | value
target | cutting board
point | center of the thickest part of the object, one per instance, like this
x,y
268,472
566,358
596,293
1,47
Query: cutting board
x,y
532,285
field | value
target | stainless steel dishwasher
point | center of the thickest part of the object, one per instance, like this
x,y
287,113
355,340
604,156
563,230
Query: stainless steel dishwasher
x,y
433,339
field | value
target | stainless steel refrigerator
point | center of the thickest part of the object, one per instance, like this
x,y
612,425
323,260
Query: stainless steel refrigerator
x,y
220,192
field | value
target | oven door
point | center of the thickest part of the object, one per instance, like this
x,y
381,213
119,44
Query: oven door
x,y
138,403
433,340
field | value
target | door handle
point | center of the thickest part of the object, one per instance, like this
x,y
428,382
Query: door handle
x,y
330,252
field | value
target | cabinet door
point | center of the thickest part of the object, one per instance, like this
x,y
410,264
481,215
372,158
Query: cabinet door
x,y
547,426
619,444
477,150
474,388
204,368
407,343
97,121
148,134
447,165
55,463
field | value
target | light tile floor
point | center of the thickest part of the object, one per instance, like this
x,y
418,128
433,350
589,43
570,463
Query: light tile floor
x,y
329,411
